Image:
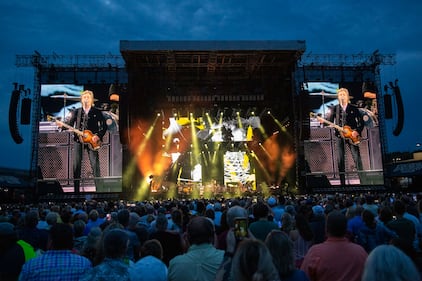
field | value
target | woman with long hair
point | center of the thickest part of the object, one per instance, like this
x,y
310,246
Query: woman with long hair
x,y
253,262
302,237
281,249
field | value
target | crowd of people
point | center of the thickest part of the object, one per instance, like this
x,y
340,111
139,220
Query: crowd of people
x,y
317,237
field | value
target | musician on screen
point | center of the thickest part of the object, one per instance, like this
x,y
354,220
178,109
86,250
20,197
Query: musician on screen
x,y
350,124
88,125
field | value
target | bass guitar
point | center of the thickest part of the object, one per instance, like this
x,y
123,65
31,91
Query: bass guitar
x,y
85,136
346,131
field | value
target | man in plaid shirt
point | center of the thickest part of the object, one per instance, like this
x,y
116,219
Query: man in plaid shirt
x,y
59,262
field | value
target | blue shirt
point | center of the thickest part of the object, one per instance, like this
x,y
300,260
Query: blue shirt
x,y
109,269
55,265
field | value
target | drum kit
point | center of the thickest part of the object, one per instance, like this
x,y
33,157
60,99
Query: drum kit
x,y
111,119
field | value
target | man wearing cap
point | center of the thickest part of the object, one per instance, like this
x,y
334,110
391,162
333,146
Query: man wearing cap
x,y
13,252
277,208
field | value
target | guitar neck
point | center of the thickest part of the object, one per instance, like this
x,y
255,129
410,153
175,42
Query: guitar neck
x,y
328,122
333,125
78,132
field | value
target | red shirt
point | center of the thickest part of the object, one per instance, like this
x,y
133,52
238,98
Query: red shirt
x,y
336,259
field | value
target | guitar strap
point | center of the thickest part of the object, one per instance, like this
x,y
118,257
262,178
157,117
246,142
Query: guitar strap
x,y
338,120
78,119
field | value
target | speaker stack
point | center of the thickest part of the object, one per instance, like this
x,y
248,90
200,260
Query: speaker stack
x,y
321,156
55,162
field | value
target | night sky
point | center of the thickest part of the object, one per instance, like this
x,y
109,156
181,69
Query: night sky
x,y
92,27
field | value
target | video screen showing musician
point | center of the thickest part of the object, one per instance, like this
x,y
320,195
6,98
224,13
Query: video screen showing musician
x,y
89,127
347,120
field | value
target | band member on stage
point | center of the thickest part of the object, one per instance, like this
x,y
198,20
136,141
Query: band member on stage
x,y
348,117
89,121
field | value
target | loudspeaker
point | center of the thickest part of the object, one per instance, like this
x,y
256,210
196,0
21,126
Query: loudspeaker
x,y
372,178
49,187
116,155
320,133
26,111
317,181
375,148
388,107
113,184
319,156
54,162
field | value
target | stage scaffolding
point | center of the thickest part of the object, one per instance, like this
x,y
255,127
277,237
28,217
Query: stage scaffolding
x,y
203,68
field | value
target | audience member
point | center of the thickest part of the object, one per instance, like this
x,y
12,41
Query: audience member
x,y
52,218
370,205
91,245
218,212
58,262
13,252
79,237
93,221
415,219
404,228
372,233
389,263
114,266
123,217
177,221
222,228
171,242
42,224
302,238
231,242
231,214
290,209
317,224
354,221
385,215
150,267
202,258
337,258
138,227
287,223
31,234
282,252
277,208
252,261
261,226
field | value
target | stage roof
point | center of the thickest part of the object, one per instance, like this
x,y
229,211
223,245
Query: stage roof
x,y
214,56
189,63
